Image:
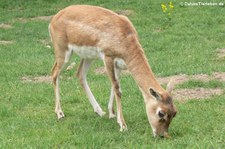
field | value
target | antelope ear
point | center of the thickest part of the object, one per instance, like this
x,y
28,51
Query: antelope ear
x,y
155,94
170,86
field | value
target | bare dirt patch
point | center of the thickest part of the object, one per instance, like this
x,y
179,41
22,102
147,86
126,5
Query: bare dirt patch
x,y
201,77
198,93
39,79
22,20
125,12
219,76
103,71
4,42
181,95
5,26
186,94
42,18
177,79
221,53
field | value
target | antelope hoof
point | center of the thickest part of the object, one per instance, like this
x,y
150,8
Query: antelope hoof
x,y
123,128
99,112
60,114
112,115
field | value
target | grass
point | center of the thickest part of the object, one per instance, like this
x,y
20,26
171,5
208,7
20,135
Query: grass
x,y
187,44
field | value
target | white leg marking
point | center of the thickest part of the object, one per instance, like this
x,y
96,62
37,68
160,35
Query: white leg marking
x,y
120,122
68,55
110,105
58,109
91,97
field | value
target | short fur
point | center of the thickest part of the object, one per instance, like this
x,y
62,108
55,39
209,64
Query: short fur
x,y
114,34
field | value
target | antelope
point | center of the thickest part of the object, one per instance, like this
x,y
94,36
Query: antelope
x,y
97,33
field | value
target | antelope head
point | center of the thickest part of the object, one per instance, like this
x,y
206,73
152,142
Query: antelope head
x,y
161,111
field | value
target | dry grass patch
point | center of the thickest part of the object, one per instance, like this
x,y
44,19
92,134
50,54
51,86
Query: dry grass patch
x,y
5,26
221,53
186,94
4,42
103,71
177,79
42,18
39,79
219,76
201,77
178,94
198,93
125,12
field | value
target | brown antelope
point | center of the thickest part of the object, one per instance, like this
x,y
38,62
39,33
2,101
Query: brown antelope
x,y
94,32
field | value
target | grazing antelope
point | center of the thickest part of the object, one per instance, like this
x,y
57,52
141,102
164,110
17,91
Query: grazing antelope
x,y
94,32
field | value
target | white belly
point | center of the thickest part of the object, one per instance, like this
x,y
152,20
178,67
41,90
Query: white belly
x,y
88,52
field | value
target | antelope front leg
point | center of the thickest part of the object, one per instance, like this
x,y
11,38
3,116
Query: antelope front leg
x,y
109,63
111,104
117,72
55,76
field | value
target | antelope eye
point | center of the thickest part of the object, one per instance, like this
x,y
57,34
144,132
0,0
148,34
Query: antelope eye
x,y
161,114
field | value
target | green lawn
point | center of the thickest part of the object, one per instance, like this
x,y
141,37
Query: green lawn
x,y
185,44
